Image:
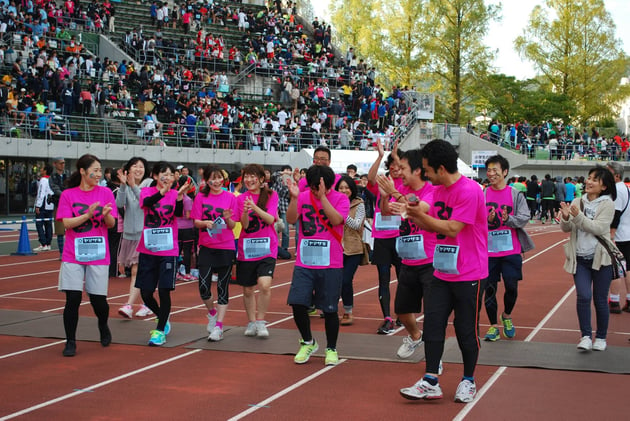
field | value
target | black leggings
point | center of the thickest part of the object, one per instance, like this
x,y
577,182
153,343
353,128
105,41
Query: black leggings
x,y
509,298
71,311
162,310
303,323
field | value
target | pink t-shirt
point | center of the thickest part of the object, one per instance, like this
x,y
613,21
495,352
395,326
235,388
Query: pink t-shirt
x,y
211,207
182,221
412,232
86,244
379,223
258,240
317,248
159,233
465,257
303,186
502,240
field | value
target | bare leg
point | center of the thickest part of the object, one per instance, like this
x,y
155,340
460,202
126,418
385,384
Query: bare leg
x,y
264,296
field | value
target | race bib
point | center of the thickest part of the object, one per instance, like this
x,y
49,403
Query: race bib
x,y
445,259
217,228
89,249
254,248
386,223
158,239
315,252
499,241
411,247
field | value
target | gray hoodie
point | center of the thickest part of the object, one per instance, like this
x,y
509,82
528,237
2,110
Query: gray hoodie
x,y
133,222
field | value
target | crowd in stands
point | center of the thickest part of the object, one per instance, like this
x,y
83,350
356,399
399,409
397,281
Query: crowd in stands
x,y
324,100
562,141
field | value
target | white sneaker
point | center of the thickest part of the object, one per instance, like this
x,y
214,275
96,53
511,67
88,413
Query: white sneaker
x,y
40,248
585,344
422,390
144,311
46,248
440,369
599,345
466,391
250,330
216,334
126,311
261,329
408,347
212,322
195,273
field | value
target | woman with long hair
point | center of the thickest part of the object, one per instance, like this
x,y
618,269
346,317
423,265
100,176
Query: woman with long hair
x,y
257,210
212,213
588,219
87,211
131,176
158,246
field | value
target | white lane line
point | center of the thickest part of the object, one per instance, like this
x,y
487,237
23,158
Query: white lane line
x,y
492,380
28,263
26,291
13,354
98,385
24,275
283,392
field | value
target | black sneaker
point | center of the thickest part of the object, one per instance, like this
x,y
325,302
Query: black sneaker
x,y
106,336
626,308
386,327
615,308
398,322
71,348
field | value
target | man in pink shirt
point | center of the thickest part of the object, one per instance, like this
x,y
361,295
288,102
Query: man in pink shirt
x,y
460,259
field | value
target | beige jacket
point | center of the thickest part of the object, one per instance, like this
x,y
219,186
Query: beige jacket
x,y
598,226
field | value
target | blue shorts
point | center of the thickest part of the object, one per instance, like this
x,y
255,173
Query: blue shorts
x,y
510,268
156,272
318,287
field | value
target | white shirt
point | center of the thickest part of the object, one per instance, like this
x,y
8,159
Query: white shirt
x,y
623,230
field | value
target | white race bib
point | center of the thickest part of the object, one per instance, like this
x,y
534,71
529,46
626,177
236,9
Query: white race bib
x,y
411,247
254,248
386,223
499,241
445,259
315,252
89,249
158,239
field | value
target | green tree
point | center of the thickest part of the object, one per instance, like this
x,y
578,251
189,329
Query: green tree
x,y
578,54
355,25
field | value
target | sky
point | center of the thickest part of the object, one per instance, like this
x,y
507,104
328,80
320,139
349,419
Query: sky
x,y
515,16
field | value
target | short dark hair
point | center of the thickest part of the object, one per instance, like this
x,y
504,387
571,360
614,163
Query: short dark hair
x,y
498,159
315,172
439,152
322,149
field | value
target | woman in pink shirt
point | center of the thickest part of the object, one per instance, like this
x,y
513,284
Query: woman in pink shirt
x,y
257,209
87,211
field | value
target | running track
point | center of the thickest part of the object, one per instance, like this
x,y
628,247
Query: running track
x,y
138,382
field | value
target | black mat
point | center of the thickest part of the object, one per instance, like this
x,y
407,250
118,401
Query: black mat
x,y
358,346
129,332
553,356
9,317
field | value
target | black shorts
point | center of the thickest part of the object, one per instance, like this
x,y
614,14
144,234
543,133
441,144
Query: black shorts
x,y
624,248
215,257
156,271
414,284
510,268
248,272
318,287
385,252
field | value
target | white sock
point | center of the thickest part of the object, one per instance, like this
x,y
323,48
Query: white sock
x,y
614,298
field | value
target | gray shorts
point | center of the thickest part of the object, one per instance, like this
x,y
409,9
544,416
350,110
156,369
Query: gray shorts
x,y
72,276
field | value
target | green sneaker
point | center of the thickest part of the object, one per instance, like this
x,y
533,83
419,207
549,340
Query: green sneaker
x,y
493,334
332,358
158,338
508,328
305,352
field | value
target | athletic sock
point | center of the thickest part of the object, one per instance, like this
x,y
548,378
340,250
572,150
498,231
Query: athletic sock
x,y
615,298
470,379
432,380
219,324
213,312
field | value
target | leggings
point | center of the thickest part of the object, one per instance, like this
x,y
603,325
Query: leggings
x,y
303,323
224,274
71,312
162,310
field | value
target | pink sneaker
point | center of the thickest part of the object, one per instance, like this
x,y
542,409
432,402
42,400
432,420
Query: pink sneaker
x,y
144,311
126,311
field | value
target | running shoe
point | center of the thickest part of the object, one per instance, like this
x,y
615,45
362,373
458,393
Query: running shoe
x,y
466,391
440,368
508,328
332,357
158,338
47,248
212,322
70,349
261,329
216,335
614,306
346,319
492,335
167,327
106,335
386,327
305,352
126,311
422,390
599,344
312,311
585,344
250,330
40,248
408,347
144,311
